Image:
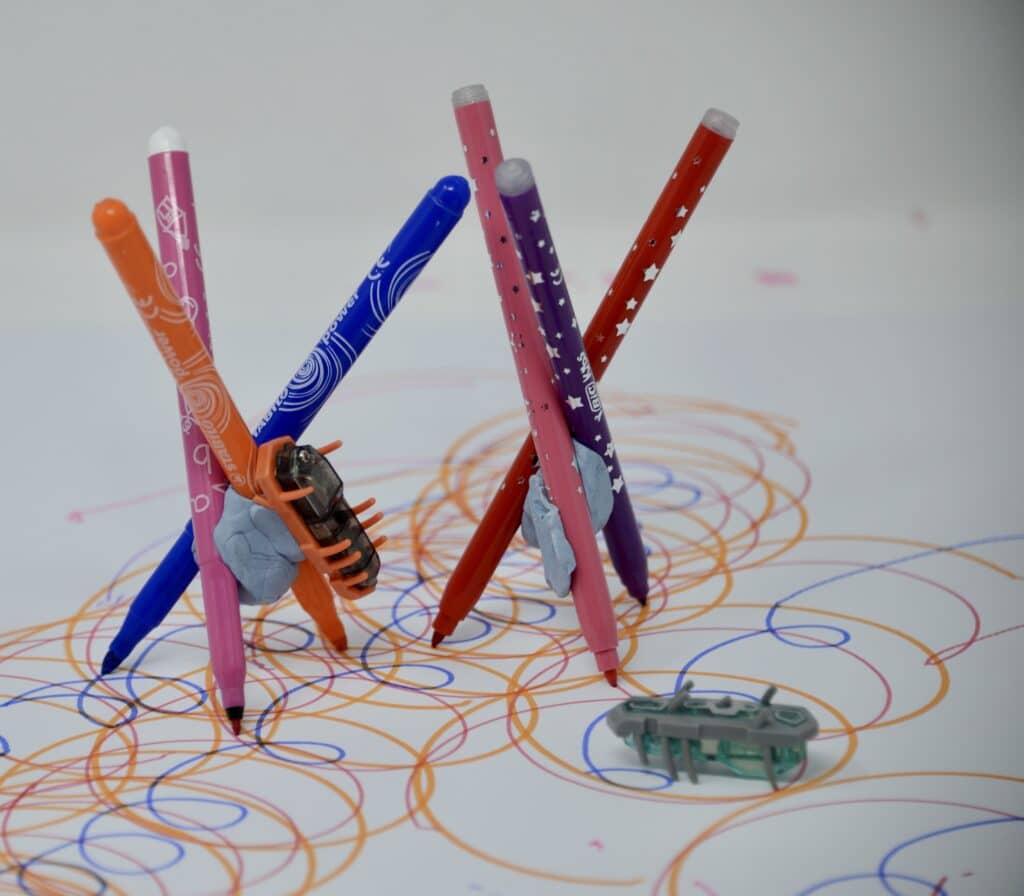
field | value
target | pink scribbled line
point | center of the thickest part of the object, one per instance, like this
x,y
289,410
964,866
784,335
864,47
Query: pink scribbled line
x,y
597,844
955,649
78,516
704,888
775,278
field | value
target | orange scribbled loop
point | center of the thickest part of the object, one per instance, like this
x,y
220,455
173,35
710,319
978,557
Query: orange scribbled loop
x,y
412,722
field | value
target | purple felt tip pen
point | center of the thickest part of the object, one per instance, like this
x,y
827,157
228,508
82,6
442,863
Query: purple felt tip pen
x,y
573,377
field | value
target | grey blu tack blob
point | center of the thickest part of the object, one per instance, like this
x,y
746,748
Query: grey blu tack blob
x,y
542,524
257,547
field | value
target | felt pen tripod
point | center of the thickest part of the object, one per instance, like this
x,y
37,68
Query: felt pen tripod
x,y
296,481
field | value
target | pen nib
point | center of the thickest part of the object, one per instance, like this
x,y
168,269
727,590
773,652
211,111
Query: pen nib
x,y
110,662
234,714
436,638
612,677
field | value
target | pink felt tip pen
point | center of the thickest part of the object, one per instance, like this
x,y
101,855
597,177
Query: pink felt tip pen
x,y
174,206
475,120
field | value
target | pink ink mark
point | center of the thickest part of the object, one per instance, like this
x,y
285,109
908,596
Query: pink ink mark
x,y
597,844
775,278
948,653
78,516
704,888
940,885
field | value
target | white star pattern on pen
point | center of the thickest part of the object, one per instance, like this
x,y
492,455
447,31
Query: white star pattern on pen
x,y
535,215
622,327
650,273
682,211
574,323
552,352
675,174
617,484
676,236
597,438
472,180
540,244
536,305
561,302
565,370
535,277
574,402
540,329
558,335
604,359
702,189
609,450
631,304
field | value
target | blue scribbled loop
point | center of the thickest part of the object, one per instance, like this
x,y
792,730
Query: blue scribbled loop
x,y
43,861
885,877
823,635
316,379
80,690
525,603
929,886
133,676
655,778
137,868
269,621
898,561
643,488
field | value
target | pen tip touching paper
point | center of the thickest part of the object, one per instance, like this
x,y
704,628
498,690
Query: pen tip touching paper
x,y
110,662
612,677
234,714
466,96
513,177
722,123
111,217
166,139
436,638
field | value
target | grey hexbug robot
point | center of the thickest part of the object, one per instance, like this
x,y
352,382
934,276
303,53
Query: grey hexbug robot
x,y
750,740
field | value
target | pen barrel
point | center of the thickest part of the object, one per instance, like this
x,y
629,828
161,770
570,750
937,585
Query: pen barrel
x,y
573,378
178,241
182,350
551,435
365,311
315,596
668,218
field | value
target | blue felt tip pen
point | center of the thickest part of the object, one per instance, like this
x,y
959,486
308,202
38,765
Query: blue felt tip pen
x,y
334,355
